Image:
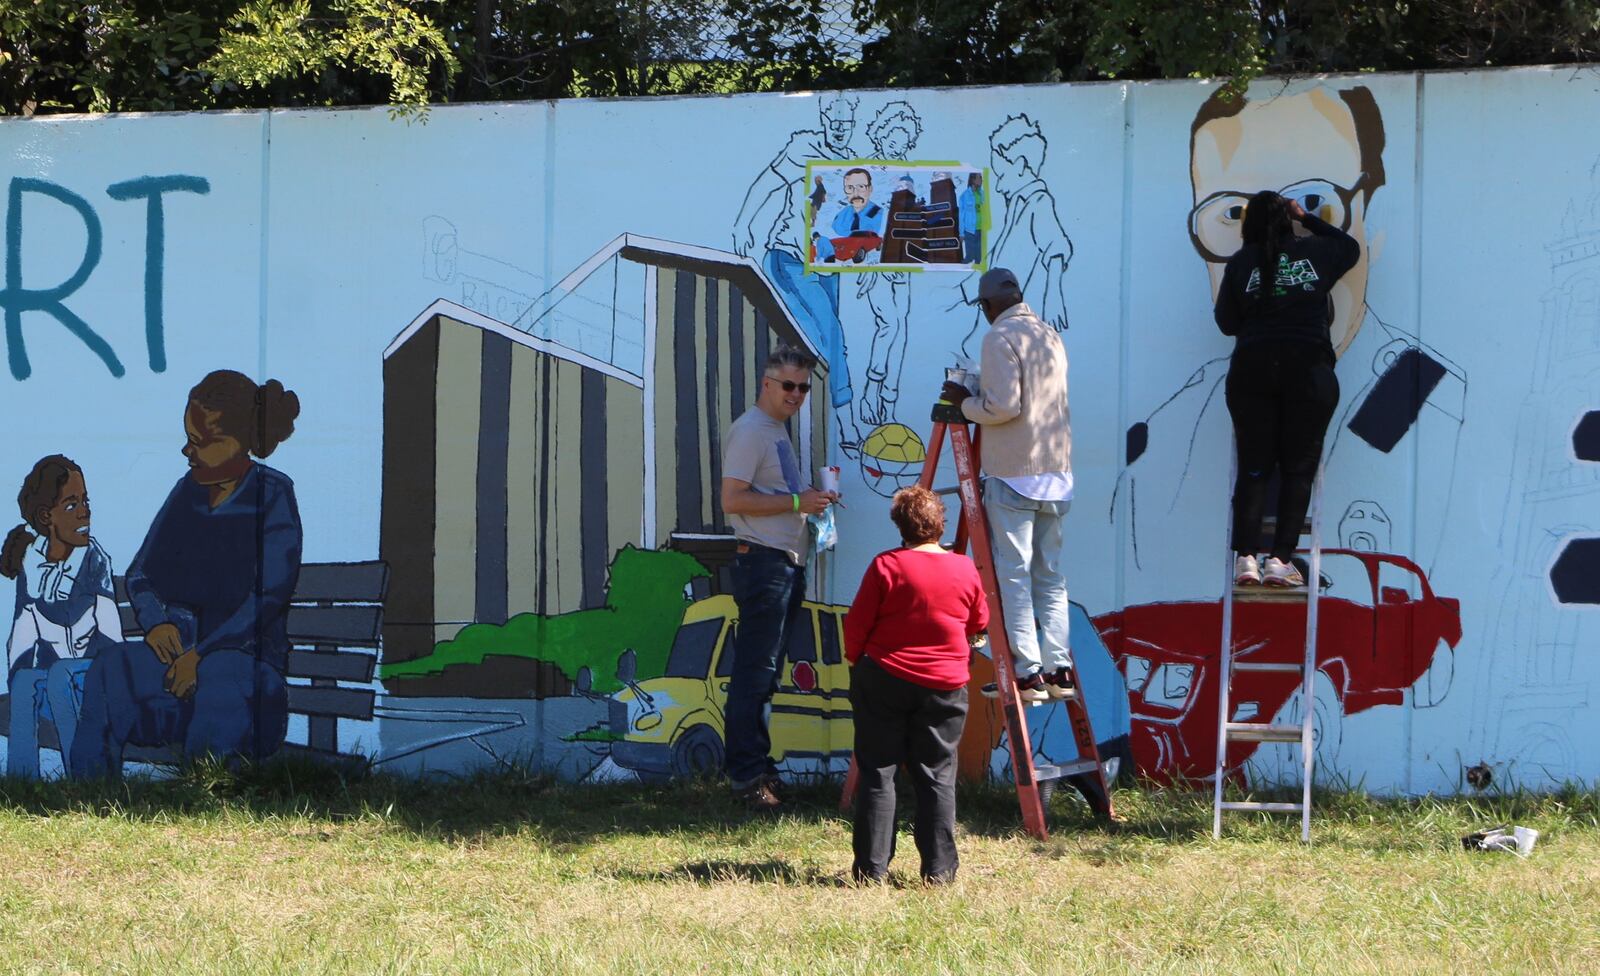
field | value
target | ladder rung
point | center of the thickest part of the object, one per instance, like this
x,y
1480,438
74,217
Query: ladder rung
x,y
952,490
1047,771
1256,732
1262,807
1270,594
1275,668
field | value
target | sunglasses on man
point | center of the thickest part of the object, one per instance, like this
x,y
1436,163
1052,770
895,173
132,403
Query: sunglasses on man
x,y
789,386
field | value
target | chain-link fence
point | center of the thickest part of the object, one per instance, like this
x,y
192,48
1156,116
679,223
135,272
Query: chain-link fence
x,y
709,30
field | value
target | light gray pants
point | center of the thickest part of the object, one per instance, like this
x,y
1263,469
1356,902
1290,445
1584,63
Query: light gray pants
x,y
1025,537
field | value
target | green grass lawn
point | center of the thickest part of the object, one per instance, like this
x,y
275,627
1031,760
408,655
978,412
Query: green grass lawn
x,y
289,869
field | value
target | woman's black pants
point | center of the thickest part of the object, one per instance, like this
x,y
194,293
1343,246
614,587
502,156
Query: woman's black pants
x,y
898,722
1281,393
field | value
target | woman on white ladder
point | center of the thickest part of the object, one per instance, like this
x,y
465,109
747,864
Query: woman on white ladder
x,y
1281,388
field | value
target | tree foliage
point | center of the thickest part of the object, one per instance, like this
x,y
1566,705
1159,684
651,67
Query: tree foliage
x,y
124,55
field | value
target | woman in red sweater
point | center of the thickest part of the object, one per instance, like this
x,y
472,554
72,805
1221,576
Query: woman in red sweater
x,y
908,636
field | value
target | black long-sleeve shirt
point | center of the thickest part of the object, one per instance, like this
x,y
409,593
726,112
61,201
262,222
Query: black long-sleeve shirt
x,y
1298,306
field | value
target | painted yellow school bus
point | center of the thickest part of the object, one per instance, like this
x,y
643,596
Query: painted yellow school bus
x,y
673,725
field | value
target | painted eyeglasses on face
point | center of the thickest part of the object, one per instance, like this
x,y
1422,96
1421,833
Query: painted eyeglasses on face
x,y
1215,223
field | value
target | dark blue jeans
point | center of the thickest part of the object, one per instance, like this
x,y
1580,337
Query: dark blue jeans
x,y
769,590
239,709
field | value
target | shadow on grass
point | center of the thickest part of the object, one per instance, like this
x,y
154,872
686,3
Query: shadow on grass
x,y
569,815
754,872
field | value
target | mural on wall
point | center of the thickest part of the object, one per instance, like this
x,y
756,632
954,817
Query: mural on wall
x,y
17,299
208,595
508,547
1333,167
771,227
1533,688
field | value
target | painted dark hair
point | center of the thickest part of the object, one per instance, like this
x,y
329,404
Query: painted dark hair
x,y
259,417
1268,226
1364,112
40,490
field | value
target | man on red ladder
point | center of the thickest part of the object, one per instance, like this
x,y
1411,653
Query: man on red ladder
x,y
1027,461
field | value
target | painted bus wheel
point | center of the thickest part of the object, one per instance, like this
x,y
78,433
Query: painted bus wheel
x,y
698,752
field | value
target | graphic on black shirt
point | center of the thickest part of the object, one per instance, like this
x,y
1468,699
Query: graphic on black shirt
x,y
1289,274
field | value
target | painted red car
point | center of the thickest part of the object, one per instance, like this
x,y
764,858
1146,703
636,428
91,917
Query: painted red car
x,y
1381,629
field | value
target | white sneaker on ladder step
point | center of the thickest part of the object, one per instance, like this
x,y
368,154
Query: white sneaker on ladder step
x,y
1280,573
1245,570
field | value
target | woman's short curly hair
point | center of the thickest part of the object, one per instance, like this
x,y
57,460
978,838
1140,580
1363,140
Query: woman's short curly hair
x,y
918,514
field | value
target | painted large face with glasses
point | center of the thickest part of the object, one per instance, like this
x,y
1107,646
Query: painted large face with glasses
x,y
784,390
1304,146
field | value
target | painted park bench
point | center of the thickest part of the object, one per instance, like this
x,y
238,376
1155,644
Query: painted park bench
x,y
335,622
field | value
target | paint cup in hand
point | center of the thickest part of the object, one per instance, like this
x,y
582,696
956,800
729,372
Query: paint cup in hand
x,y
830,478
957,375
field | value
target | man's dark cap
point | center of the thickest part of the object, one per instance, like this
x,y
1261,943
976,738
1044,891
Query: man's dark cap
x,y
997,282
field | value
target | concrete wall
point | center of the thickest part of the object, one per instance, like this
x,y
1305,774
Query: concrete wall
x,y
145,251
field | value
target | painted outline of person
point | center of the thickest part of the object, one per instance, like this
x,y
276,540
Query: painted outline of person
x,y
770,222
894,132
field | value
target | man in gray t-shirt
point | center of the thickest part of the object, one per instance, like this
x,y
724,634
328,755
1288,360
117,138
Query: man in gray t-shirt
x,y
766,498
758,451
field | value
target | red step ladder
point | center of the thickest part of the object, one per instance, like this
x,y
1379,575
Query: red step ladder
x,y
1034,782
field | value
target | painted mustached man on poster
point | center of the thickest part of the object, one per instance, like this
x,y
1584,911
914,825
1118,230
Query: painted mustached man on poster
x,y
1322,148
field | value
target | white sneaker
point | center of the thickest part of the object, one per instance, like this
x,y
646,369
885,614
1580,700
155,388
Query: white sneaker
x,y
1245,570
1280,573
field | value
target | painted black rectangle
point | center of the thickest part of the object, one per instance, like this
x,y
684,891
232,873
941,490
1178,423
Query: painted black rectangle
x,y
713,394
346,626
686,427
363,582
405,536
1396,399
334,665
353,703
764,348
494,440
736,361
594,508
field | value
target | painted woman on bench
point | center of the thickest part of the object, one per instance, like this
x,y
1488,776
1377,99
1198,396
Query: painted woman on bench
x,y
210,588
65,610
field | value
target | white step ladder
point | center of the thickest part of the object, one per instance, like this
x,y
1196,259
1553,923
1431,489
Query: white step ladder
x,y
1233,661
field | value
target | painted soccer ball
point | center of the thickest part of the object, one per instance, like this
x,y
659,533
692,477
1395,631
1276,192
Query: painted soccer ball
x,y
891,458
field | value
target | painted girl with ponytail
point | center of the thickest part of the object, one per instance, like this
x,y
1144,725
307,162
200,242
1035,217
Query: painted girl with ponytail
x,y
1276,300
65,611
210,588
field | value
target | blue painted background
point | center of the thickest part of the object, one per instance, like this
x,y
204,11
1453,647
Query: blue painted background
x,y
298,244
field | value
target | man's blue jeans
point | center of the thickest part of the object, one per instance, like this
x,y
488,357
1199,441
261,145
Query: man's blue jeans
x,y
1025,538
768,590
